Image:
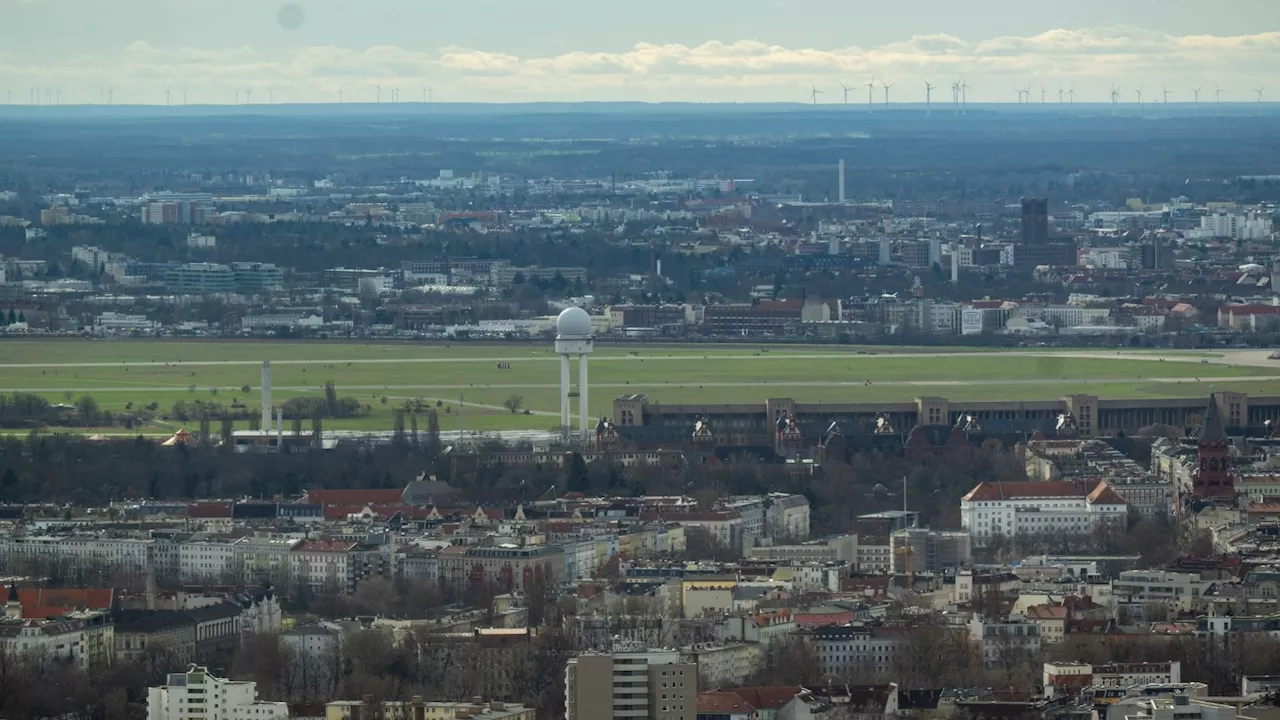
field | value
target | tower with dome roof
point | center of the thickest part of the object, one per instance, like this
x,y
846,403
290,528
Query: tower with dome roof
x,y
574,337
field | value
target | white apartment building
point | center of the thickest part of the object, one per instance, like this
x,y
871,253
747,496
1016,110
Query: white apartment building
x,y
788,516
63,640
263,558
1015,637
197,693
1142,586
1024,508
724,665
93,258
846,650
874,558
1238,226
321,563
125,554
209,559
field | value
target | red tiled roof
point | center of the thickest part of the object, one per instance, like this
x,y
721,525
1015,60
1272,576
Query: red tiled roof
x,y
988,491
41,603
1046,612
766,697
1104,495
368,496
722,702
209,510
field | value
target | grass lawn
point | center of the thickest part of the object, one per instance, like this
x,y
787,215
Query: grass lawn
x,y
117,373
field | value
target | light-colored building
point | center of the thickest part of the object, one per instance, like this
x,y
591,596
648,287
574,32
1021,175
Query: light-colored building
x,y
207,559
1013,640
113,322
844,650
1010,509
644,684
724,665
510,567
199,694
416,709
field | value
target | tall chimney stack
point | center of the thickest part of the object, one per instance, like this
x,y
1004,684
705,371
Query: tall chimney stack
x,y
266,396
955,264
842,181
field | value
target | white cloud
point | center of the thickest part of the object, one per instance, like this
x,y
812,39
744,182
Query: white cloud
x,y
744,70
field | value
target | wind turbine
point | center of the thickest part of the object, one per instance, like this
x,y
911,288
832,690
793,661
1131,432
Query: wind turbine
x,y
1061,92
424,96
378,88
955,97
431,94
1196,92
166,97
184,96
1071,95
1138,93
846,90
813,95
886,92
964,96
928,98
871,89
1259,91
339,96
1217,102
1165,91
237,91
1019,91
1115,98
248,97
1041,94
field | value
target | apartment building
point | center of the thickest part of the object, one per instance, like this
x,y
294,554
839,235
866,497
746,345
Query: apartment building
x,y
508,566
843,650
642,684
199,693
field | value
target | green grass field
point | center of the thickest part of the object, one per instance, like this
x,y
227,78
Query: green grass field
x,y
117,373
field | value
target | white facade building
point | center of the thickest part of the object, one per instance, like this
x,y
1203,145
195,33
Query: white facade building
x,y
1026,508
196,693
206,560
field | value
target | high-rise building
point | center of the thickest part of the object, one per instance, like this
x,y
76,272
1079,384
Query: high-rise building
x,y
648,684
1035,221
197,693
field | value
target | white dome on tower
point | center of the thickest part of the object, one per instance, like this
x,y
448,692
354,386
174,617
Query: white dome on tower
x,y
574,322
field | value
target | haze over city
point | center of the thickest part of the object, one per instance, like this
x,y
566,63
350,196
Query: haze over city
x,y
760,51
532,360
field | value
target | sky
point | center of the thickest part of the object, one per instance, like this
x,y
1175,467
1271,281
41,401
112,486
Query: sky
x,y
656,50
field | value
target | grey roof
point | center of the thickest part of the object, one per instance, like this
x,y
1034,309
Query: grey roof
x,y
1212,430
790,501
426,492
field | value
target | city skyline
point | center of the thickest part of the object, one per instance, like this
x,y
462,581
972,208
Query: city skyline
x,y
312,52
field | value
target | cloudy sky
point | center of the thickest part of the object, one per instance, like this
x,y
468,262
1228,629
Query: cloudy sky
x,y
655,50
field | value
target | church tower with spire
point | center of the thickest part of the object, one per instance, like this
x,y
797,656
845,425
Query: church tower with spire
x,y
1213,473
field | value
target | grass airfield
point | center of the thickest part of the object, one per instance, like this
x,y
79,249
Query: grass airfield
x,y
118,373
